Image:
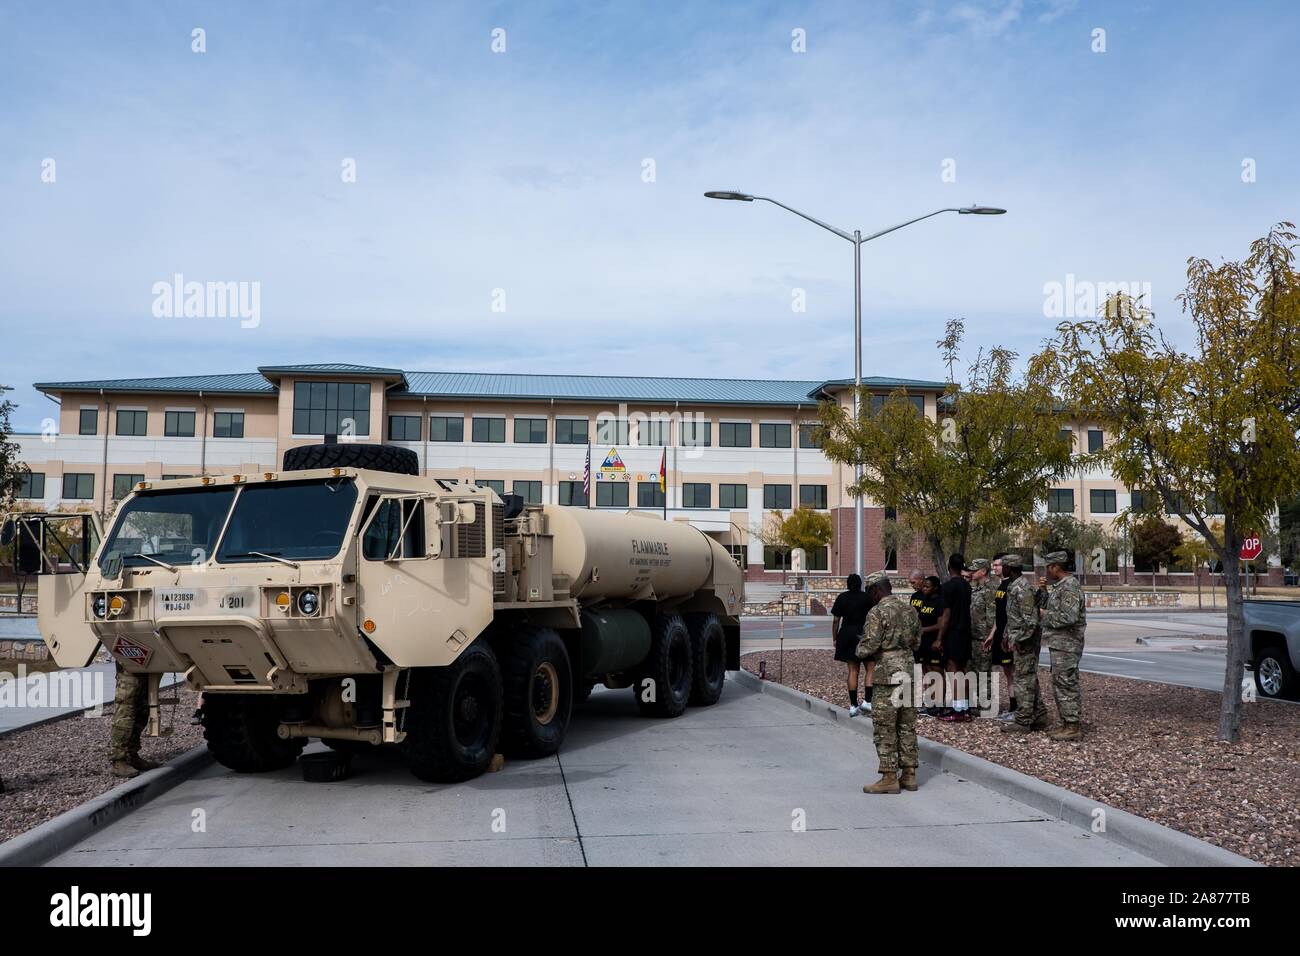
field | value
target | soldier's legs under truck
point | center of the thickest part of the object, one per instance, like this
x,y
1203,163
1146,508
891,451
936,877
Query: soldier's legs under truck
x,y
130,711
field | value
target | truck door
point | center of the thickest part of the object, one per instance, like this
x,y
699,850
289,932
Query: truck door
x,y
419,599
57,550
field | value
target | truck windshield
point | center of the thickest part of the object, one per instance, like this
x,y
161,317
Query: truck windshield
x,y
175,527
301,520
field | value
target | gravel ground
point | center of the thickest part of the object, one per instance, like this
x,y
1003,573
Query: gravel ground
x,y
57,766
1150,749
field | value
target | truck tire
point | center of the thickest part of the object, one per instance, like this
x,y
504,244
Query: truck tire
x,y
402,461
454,721
708,659
1274,675
538,684
667,669
241,731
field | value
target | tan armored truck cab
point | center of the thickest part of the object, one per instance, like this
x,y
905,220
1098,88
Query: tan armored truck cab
x,y
343,599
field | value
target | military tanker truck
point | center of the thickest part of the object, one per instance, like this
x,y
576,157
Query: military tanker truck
x,y
349,599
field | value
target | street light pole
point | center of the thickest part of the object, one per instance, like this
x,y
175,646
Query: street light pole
x,y
857,238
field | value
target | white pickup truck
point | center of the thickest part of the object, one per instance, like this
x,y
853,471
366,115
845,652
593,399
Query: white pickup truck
x,y
1274,631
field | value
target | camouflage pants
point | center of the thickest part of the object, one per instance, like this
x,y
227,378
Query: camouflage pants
x,y
981,661
893,729
1030,708
130,714
1065,685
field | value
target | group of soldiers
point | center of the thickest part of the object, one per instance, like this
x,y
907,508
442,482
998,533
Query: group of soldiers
x,y
1011,619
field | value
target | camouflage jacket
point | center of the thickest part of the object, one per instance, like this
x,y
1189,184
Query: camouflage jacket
x,y
892,633
1022,611
1065,616
983,607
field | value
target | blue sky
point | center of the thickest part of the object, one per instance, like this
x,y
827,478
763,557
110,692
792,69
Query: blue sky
x,y
523,171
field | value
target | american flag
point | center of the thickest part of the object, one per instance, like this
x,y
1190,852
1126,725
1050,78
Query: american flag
x,y
586,474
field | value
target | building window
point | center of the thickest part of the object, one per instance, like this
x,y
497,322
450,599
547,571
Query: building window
x,y
1138,501
652,432
489,430
815,560
89,422
496,484
776,559
530,431
733,496
227,424
1061,501
773,436
611,494
446,428
1095,436
122,485
696,433
611,431
878,402
812,496
571,431
78,486
174,477
735,435
1101,501
331,408
530,491
696,494
403,427
1067,436
571,494
178,424
808,436
132,421
32,485
648,495
776,496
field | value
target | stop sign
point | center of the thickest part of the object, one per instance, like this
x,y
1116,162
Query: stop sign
x,y
1251,547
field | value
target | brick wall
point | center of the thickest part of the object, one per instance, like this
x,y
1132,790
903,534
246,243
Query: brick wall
x,y
911,554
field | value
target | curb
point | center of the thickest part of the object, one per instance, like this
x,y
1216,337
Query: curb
x,y
1153,840
67,829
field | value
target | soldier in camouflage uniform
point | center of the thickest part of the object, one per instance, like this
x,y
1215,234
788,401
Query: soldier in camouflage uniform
x,y
130,712
983,613
1026,638
891,637
1065,618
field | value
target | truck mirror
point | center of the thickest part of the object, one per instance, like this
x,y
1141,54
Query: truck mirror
x,y
447,512
27,548
433,530
468,513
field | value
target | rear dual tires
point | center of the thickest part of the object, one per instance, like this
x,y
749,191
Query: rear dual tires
x,y
708,658
242,733
454,721
662,687
539,692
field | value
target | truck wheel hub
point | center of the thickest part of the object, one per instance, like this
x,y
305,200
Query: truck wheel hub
x,y
546,702
1270,676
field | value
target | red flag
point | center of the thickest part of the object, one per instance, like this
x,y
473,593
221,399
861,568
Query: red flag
x,y
663,471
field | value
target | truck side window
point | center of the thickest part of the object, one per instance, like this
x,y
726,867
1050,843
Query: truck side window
x,y
381,535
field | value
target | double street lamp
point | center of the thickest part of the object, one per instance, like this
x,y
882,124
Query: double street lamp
x,y
857,238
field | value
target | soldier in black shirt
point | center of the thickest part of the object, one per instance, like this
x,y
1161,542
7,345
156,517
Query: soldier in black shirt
x,y
955,635
929,608
848,617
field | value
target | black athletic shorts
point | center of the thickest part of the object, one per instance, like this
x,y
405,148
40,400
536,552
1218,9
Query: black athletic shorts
x,y
846,645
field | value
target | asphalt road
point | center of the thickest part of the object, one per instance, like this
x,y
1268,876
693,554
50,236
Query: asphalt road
x,y
722,785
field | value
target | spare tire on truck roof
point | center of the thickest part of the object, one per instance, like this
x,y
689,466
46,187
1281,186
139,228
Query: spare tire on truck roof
x,y
402,461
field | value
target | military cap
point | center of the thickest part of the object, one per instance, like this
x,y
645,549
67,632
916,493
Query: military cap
x,y
1012,561
875,577
1058,557
979,564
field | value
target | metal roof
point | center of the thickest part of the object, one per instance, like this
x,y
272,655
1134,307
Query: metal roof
x,y
712,391
240,383
507,386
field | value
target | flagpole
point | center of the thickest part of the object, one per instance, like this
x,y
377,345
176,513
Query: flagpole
x,y
587,478
663,479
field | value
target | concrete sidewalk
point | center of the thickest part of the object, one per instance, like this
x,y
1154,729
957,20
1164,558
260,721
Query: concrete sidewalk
x,y
750,781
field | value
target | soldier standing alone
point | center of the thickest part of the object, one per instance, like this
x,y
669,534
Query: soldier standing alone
x,y
891,637
1065,618
1026,639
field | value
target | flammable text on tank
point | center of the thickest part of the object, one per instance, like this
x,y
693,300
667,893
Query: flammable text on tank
x,y
649,547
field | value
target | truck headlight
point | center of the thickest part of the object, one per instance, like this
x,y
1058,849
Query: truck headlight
x,y
99,606
308,603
